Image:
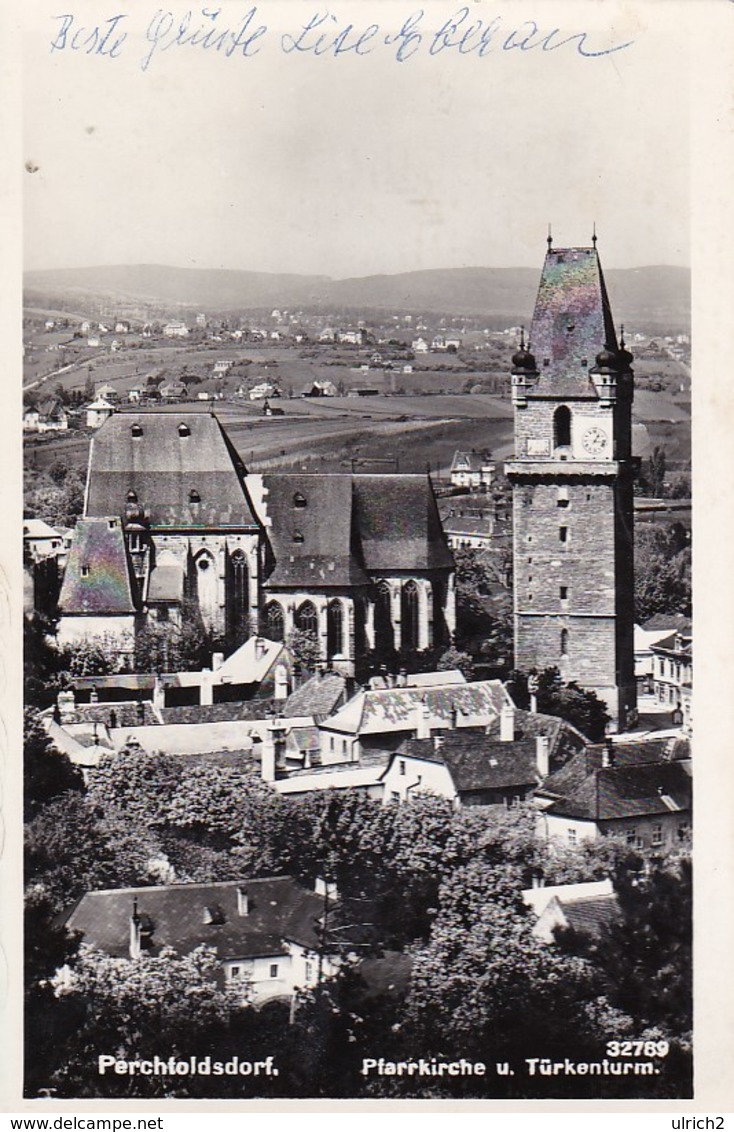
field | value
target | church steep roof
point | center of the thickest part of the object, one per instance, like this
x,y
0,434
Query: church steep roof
x,y
182,468
97,578
337,530
398,524
572,322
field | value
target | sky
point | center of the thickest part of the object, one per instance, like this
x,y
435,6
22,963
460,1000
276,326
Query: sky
x,y
355,164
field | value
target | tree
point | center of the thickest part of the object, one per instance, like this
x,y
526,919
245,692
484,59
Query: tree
x,y
303,645
136,785
578,706
92,656
662,571
46,771
454,658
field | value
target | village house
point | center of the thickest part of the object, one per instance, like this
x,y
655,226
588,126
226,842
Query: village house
x,y
266,931
98,412
48,416
472,471
174,391
672,667
106,392
588,908
176,329
640,791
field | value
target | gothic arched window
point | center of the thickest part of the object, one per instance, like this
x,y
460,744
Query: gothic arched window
x,y
562,427
274,624
334,628
207,587
240,594
564,642
384,634
409,615
307,618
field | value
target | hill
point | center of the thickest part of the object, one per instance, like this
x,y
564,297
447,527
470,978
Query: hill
x,y
653,297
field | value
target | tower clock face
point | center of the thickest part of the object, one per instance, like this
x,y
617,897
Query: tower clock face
x,y
594,440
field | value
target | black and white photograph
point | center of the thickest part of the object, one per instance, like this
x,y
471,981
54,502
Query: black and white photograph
x,y
357,373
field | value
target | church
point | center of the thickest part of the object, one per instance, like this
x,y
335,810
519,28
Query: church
x,y
572,477
175,526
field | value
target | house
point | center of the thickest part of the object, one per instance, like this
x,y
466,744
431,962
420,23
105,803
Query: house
x,y
93,341
589,907
272,411
469,470
327,335
359,561
98,412
174,391
48,416
319,389
41,541
222,367
106,392
266,931
652,632
122,326
352,337
136,394
672,667
639,791
472,531
498,765
419,346
376,722
176,330
97,595
261,391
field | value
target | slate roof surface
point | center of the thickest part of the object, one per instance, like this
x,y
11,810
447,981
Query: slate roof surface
x,y
350,527
468,462
612,793
572,321
675,622
251,662
162,467
591,914
97,548
319,695
126,714
476,762
218,713
313,544
279,909
570,777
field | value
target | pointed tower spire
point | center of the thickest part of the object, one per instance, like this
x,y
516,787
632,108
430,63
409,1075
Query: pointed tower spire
x,y
593,236
550,238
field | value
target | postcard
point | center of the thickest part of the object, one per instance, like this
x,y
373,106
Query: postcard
x,y
353,350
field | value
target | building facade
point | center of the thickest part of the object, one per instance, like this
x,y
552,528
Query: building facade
x,y
572,478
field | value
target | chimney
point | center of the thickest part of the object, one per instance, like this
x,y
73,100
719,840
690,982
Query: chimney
x,y
217,660
243,901
206,687
326,888
281,682
136,933
159,693
607,755
542,746
507,723
267,758
423,722
273,749
454,717
259,648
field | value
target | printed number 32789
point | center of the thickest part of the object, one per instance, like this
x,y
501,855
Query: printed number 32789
x,y
638,1049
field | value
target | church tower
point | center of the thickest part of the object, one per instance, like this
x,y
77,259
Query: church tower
x,y
572,389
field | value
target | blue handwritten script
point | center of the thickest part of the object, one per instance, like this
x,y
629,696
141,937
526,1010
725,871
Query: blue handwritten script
x,y
321,35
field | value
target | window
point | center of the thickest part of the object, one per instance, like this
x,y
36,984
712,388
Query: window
x,y
572,837
562,427
561,503
194,496
564,642
394,796
657,834
409,615
334,628
401,764
563,592
184,430
112,523
234,972
563,534
308,971
631,836
297,537
136,430
273,970
530,577
300,500
307,618
85,571
274,628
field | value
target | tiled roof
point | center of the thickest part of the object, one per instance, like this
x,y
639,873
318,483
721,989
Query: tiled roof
x,y
126,714
218,713
319,695
395,709
313,544
162,468
251,662
97,576
611,793
574,773
467,462
350,527
675,622
591,914
279,909
36,528
398,525
572,321
477,762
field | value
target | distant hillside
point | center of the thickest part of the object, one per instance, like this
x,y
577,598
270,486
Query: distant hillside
x,y
658,297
